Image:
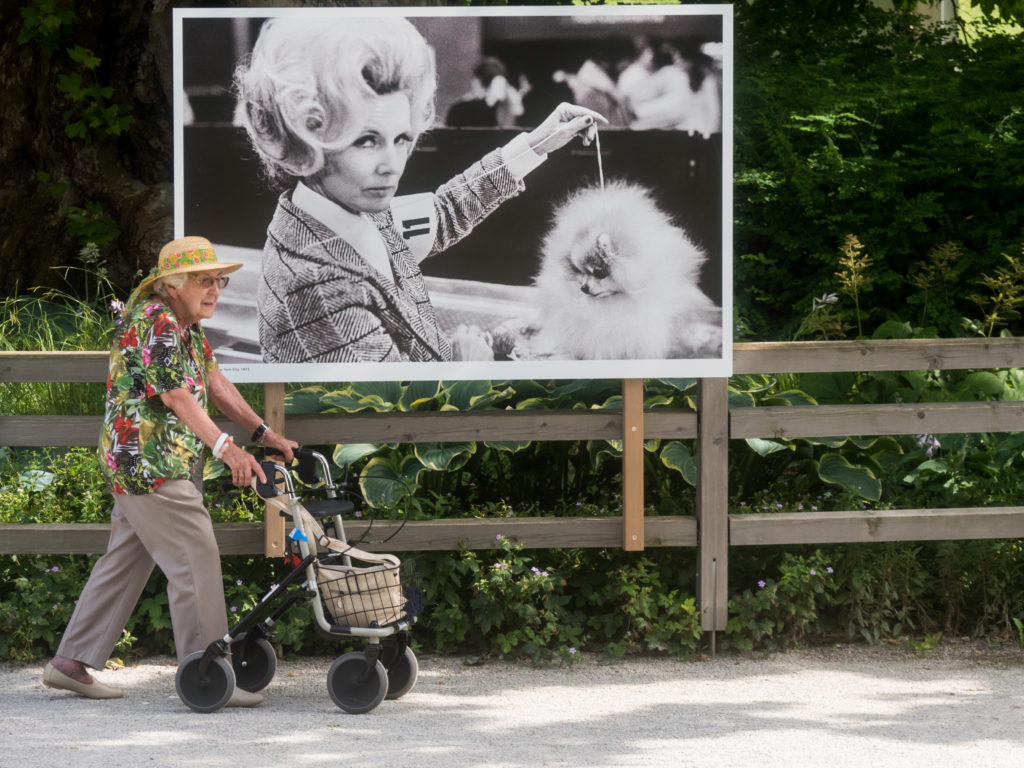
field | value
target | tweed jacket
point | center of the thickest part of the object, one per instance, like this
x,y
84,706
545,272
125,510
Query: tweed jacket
x,y
320,301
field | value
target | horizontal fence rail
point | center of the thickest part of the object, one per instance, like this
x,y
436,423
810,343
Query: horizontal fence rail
x,y
712,532
39,431
385,535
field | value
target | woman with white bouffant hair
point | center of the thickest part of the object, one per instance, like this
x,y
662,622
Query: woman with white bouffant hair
x,y
333,107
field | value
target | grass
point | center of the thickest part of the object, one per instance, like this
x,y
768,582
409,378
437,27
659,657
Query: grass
x,y
41,323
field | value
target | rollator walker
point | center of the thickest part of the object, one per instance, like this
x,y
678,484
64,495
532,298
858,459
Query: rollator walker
x,y
365,601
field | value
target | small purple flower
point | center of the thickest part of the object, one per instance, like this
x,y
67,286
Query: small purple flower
x,y
813,572
826,298
829,570
572,651
238,582
929,443
233,608
761,584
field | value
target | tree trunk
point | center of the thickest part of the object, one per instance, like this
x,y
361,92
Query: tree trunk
x,y
128,176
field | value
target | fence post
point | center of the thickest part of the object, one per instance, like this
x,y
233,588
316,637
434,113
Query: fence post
x,y
713,503
633,464
273,523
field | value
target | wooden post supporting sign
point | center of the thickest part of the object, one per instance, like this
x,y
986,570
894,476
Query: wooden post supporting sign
x,y
713,503
274,524
633,464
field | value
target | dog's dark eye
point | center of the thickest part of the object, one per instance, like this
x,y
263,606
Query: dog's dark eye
x,y
599,272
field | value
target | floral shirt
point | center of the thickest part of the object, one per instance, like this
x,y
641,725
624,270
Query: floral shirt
x,y
143,442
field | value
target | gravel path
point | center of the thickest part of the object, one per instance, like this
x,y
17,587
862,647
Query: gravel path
x,y
843,706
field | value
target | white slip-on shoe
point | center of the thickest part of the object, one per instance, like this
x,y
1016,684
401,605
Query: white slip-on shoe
x,y
54,678
243,698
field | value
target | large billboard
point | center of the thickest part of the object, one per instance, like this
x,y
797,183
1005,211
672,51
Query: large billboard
x,y
416,193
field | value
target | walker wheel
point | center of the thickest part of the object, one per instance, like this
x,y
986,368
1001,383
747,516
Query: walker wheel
x,y
254,662
402,673
353,686
204,693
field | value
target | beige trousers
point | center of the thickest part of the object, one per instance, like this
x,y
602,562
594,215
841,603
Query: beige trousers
x,y
172,529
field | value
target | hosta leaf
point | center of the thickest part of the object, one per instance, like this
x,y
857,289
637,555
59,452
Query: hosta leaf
x,y
893,329
677,455
444,456
345,402
679,385
382,483
653,401
587,391
350,453
765,447
789,397
983,383
466,395
215,468
305,400
523,389
381,395
828,442
740,399
600,450
419,394
835,469
509,446
828,387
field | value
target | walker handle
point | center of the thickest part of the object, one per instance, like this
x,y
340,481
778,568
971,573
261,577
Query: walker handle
x,y
267,490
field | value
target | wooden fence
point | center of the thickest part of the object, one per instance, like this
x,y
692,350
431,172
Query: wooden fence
x,y
712,532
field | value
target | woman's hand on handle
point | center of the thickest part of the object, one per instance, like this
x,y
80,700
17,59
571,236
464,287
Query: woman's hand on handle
x,y
243,465
559,128
279,445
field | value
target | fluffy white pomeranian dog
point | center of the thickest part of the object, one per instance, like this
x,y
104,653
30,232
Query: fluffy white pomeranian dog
x,y
618,280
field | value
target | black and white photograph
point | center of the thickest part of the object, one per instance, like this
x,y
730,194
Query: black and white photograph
x,y
442,194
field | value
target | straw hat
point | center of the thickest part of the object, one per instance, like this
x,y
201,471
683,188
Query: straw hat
x,y
186,254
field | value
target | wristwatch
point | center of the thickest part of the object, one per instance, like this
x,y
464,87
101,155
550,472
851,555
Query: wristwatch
x,y
261,430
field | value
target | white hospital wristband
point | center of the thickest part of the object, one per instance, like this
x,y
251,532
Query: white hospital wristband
x,y
222,441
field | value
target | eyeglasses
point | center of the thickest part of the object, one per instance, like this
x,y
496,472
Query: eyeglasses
x,y
207,282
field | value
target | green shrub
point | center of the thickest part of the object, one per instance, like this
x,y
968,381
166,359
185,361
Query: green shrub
x,y
821,154
785,610
37,597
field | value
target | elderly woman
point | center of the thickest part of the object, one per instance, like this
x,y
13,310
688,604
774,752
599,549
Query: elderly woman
x,y
161,372
334,107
